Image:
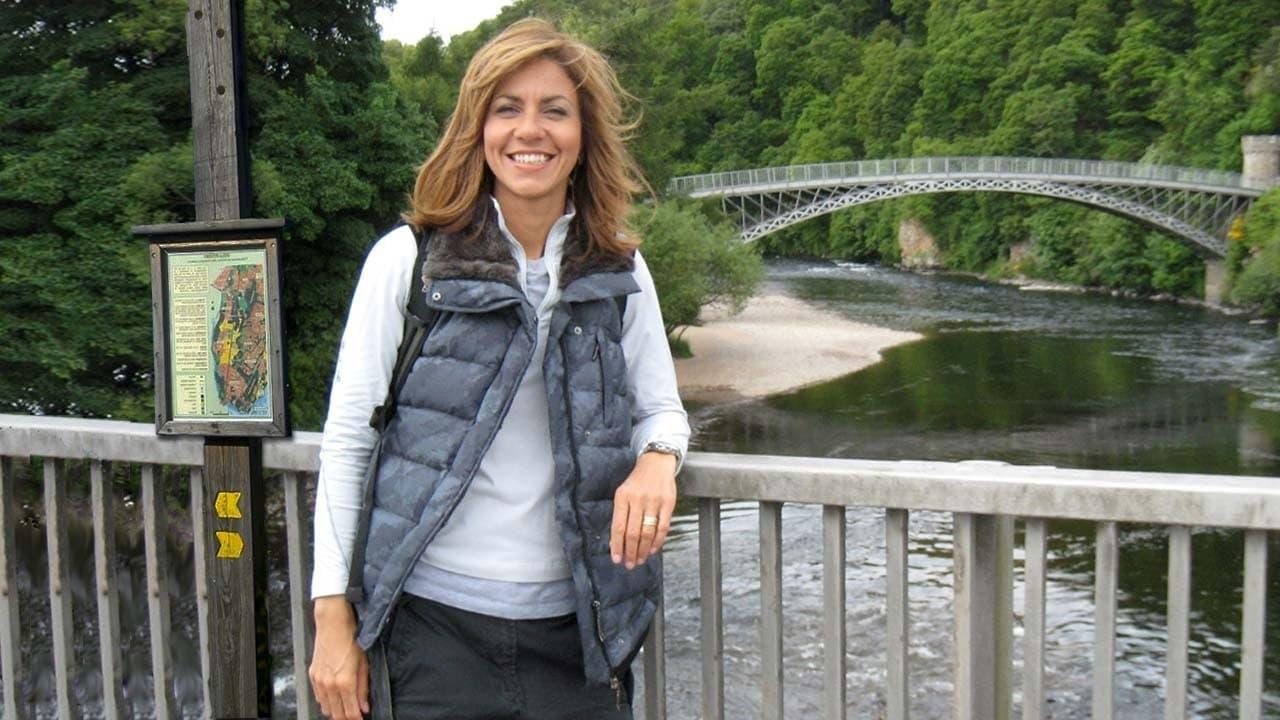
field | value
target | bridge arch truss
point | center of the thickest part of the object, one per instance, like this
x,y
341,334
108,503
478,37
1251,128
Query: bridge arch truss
x,y
1197,206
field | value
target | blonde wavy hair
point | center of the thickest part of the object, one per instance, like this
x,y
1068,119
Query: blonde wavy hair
x,y
454,175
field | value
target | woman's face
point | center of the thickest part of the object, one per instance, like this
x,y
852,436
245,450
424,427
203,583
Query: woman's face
x,y
533,134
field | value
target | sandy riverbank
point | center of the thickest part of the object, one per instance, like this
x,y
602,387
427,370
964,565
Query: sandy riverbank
x,y
778,343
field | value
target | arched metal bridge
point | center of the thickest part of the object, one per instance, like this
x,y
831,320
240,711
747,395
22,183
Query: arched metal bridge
x,y
1196,205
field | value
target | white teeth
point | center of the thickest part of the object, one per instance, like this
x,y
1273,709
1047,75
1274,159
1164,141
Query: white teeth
x,y
530,158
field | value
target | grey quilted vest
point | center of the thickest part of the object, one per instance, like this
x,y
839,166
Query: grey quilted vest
x,y
455,399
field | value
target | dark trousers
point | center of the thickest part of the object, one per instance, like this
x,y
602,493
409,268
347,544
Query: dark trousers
x,y
442,662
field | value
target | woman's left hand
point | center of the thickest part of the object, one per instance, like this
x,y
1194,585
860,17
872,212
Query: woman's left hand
x,y
649,492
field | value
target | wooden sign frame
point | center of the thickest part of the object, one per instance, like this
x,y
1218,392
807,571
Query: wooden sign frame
x,y
217,328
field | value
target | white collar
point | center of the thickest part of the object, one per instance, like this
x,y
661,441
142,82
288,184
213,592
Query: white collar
x,y
551,250
555,236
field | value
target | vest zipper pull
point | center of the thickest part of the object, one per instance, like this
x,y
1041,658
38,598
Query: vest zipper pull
x,y
617,690
595,605
595,354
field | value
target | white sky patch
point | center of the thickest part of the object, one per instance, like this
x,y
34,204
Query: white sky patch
x,y
411,20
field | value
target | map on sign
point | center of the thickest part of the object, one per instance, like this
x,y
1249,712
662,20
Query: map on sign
x,y
218,330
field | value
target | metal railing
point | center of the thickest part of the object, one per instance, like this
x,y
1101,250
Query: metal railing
x,y
50,445
984,497
825,174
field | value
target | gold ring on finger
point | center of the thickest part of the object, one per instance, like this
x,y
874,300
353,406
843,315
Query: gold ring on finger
x,y
649,521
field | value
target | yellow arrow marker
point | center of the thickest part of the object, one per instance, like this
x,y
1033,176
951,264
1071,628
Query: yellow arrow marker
x,y
227,505
230,544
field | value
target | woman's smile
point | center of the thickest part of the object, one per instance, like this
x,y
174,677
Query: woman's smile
x,y
533,135
536,159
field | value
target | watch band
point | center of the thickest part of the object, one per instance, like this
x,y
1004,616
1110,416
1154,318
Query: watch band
x,y
664,448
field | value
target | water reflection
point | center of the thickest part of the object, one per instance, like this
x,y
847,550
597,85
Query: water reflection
x,y
1016,397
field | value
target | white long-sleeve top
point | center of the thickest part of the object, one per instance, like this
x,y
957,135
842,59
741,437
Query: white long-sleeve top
x,y
505,520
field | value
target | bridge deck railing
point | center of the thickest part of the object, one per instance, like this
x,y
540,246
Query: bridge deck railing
x,y
825,173
984,497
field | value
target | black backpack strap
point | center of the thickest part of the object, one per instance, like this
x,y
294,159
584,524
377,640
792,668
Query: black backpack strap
x,y
419,319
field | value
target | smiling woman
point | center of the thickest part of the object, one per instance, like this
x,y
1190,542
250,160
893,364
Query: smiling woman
x,y
488,548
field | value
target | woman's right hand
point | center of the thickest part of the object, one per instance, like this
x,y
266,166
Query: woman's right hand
x,y
339,668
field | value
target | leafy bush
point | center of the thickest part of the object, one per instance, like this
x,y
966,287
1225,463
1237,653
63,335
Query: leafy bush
x,y
1258,281
695,262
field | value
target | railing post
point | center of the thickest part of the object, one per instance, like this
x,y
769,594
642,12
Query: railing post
x,y
771,671
1178,622
200,554
984,616
60,622
10,627
155,524
712,609
896,525
655,666
1105,586
833,608
295,519
1253,625
104,559
1034,556
1003,621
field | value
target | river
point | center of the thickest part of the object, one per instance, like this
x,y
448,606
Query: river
x,y
1004,374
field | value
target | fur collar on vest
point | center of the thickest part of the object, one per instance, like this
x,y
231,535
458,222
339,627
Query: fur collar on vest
x,y
479,251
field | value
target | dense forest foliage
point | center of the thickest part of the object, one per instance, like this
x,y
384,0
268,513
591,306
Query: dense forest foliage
x,y
95,137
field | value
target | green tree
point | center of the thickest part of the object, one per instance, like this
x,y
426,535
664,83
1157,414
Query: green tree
x,y
1258,281
422,76
877,102
1135,76
74,304
95,137
694,262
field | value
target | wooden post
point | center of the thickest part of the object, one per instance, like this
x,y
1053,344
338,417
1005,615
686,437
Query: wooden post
x,y
217,111
236,563
235,554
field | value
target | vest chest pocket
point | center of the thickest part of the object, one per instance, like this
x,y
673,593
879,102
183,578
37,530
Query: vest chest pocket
x,y
607,355
597,372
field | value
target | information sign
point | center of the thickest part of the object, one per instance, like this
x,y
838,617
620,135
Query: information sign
x,y
219,351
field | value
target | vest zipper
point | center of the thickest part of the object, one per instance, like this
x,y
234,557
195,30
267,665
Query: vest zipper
x,y
577,518
614,682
